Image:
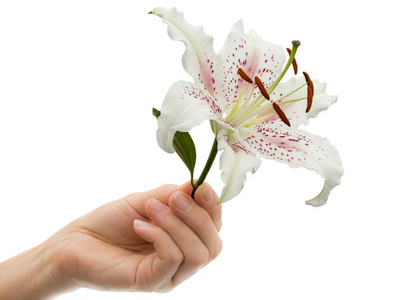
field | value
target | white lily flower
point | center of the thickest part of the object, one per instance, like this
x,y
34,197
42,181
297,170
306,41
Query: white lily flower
x,y
253,113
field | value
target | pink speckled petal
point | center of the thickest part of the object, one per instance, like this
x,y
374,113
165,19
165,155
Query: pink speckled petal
x,y
295,111
185,106
249,52
199,56
298,148
234,163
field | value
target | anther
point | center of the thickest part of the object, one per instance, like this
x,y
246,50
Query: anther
x,y
281,114
294,63
310,99
310,91
308,80
244,76
262,88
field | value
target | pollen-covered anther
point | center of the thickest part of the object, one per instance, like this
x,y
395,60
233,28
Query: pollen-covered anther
x,y
310,91
261,87
244,76
309,99
294,63
281,114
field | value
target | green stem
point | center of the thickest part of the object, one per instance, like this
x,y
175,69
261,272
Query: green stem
x,y
207,167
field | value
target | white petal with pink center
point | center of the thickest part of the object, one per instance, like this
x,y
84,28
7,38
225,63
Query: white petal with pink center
x,y
255,56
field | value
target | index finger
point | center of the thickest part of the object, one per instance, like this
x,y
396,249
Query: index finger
x,y
137,201
207,199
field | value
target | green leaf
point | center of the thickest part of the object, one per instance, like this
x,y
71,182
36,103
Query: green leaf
x,y
184,146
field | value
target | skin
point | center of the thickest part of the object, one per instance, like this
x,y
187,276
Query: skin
x,y
149,241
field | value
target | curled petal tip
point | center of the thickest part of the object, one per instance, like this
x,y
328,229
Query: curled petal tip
x,y
155,12
318,200
335,173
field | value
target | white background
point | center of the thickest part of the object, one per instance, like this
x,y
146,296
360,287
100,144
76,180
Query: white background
x,y
78,80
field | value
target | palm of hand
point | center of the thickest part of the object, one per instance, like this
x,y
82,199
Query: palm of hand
x,y
106,250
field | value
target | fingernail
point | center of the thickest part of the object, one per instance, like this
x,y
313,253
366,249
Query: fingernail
x,y
140,223
182,202
157,206
207,193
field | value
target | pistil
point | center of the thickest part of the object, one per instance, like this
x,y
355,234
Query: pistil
x,y
296,45
294,63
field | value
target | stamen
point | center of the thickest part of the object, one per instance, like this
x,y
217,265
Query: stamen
x,y
310,99
308,80
244,76
310,91
294,63
262,88
281,114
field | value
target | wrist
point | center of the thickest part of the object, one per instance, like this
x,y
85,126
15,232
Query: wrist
x,y
35,274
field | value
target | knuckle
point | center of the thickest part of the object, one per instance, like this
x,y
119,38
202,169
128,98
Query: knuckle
x,y
200,258
176,258
218,225
216,249
128,198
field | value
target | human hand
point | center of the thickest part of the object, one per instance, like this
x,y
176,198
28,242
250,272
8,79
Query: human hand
x,y
166,245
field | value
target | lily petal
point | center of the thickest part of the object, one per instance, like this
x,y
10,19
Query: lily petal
x,y
199,56
251,53
298,148
234,163
184,107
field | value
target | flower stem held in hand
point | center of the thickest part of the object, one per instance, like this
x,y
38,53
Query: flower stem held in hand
x,y
207,167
